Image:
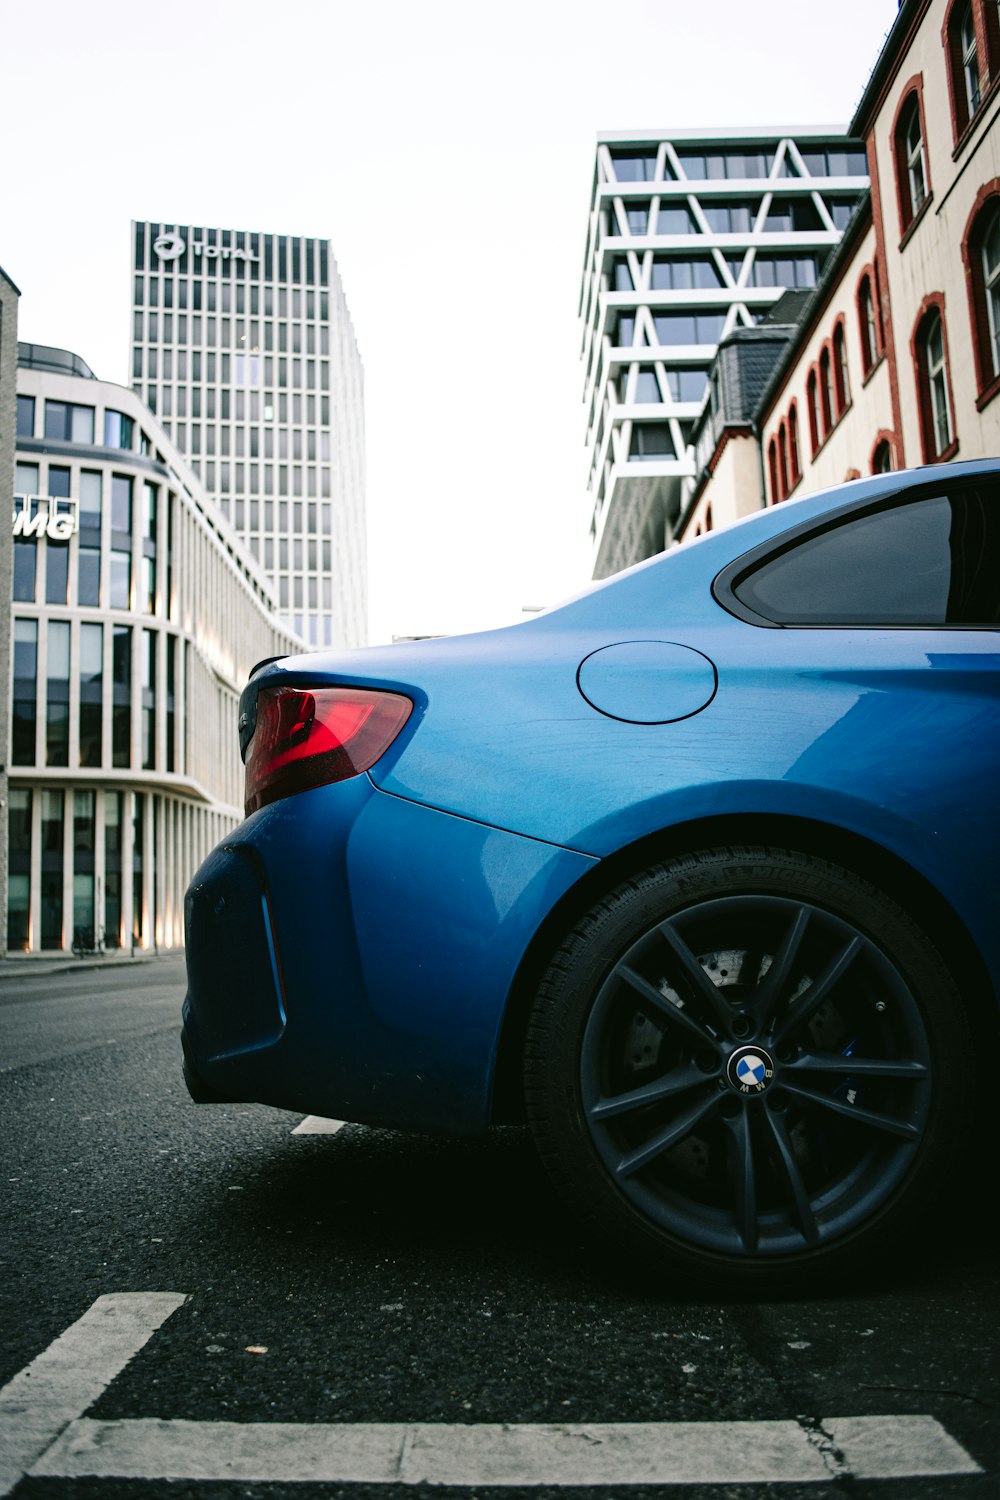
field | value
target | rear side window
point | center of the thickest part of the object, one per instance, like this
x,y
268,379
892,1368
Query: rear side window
x,y
935,561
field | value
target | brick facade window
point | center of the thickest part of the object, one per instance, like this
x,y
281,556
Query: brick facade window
x,y
936,404
867,323
827,394
812,405
962,51
971,39
783,459
981,254
841,379
882,456
913,187
794,464
772,465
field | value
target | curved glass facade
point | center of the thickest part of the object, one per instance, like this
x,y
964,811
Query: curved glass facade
x,y
137,617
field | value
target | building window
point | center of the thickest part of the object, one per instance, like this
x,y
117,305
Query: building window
x,y
52,869
26,416
867,323
793,446
981,253
148,665
841,379
121,689
25,704
84,845
882,457
113,869
826,392
57,695
91,693
812,406
634,166
650,441
933,385
912,182
68,423
964,63
118,430
19,876
772,467
783,459
787,271
88,584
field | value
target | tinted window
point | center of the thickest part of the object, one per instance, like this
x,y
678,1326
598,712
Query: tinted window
x,y
935,562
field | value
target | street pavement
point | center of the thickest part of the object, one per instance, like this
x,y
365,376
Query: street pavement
x,y
227,1301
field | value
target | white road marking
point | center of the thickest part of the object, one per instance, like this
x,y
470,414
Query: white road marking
x,y
489,1454
72,1372
316,1125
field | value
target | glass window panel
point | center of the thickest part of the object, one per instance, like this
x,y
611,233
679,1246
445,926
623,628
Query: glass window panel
x,y
932,563
26,416
56,572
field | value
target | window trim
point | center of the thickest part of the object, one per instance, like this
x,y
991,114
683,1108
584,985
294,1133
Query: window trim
x,y
987,382
963,112
884,436
841,371
933,304
812,408
911,98
728,578
866,282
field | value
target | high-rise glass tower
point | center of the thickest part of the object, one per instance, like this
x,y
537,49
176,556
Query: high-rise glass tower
x,y
242,344
690,235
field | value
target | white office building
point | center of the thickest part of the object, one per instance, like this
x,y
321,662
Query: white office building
x,y
691,234
242,344
137,617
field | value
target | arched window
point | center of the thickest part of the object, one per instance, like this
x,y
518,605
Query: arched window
x,y
783,460
962,48
841,380
826,393
772,464
934,383
882,457
793,445
912,181
989,256
812,404
867,323
981,253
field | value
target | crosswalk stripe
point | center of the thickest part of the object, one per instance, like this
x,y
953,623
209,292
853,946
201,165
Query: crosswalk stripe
x,y
71,1373
880,1447
317,1125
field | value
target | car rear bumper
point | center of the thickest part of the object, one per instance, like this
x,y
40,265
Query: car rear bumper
x,y
350,954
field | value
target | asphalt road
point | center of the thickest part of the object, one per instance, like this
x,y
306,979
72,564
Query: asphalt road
x,y
367,1277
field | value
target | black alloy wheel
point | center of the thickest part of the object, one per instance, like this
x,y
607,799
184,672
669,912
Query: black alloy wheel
x,y
751,1063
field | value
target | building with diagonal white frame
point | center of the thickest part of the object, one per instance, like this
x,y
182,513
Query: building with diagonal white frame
x,y
690,235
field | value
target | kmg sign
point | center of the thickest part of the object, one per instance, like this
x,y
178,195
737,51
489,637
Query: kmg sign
x,y
40,515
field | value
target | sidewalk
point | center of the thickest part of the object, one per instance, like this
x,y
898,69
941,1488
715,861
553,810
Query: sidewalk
x,y
34,965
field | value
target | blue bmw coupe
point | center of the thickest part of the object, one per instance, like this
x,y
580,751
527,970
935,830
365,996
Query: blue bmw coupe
x,y
696,873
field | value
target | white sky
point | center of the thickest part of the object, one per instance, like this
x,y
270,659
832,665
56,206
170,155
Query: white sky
x,y
446,149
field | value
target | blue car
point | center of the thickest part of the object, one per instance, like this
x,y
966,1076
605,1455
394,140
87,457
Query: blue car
x,y
696,873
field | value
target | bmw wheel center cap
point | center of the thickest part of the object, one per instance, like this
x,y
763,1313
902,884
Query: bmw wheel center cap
x,y
750,1070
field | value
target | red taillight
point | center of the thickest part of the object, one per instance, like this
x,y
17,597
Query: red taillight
x,y
306,737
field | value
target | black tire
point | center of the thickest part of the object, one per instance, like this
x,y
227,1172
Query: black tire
x,y
750,1065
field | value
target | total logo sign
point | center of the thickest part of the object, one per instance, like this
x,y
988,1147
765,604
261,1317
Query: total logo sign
x,y
171,246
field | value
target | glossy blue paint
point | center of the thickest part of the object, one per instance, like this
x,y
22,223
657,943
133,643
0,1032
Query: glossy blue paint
x,y
402,902
394,1017
647,682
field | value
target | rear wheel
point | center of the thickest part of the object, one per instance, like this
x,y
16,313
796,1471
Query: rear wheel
x,y
751,1064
